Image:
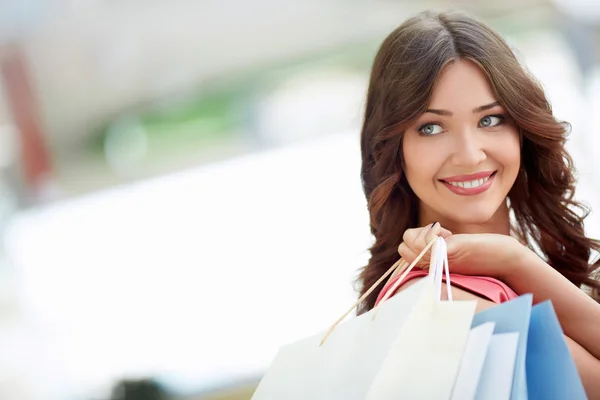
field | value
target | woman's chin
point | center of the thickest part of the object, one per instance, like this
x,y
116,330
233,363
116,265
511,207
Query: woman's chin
x,y
454,216
472,216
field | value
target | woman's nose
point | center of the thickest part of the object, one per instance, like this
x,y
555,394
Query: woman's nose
x,y
468,149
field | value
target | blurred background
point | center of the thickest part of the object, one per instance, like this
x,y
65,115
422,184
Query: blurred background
x,y
179,181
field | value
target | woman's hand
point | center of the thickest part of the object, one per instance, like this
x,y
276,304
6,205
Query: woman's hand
x,y
485,254
415,240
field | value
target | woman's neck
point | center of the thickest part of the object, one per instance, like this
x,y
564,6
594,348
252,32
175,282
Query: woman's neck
x,y
499,223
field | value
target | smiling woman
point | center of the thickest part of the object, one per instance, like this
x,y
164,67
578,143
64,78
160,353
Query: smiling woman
x,y
457,136
466,156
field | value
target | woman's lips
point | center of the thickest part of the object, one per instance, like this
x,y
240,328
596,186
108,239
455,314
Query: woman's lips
x,y
469,177
470,185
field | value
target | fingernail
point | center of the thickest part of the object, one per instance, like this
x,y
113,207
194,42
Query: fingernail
x,y
432,225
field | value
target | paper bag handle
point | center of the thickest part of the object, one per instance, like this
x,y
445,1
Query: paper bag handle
x,y
432,269
438,267
396,285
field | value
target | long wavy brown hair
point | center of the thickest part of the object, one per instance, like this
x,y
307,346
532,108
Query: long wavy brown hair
x,y
403,75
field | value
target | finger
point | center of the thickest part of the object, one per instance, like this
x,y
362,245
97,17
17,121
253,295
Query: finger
x,y
422,238
410,235
407,253
409,241
436,230
415,238
445,233
432,233
414,243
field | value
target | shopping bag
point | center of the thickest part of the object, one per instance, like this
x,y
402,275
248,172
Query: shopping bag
x,y
472,362
346,364
496,379
551,371
509,317
425,358
408,347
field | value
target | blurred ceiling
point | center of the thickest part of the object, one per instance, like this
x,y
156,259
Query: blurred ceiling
x,y
94,60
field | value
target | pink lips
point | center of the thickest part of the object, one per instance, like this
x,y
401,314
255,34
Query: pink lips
x,y
470,177
467,178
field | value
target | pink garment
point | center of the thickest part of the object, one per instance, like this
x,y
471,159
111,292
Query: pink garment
x,y
489,288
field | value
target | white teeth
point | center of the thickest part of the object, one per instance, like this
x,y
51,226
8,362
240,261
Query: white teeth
x,y
470,184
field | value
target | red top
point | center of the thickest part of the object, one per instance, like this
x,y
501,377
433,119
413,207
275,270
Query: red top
x,y
489,288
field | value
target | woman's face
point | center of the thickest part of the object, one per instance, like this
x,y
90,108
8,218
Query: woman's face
x,y
462,155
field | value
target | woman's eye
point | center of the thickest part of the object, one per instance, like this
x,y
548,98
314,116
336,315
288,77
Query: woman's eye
x,y
430,129
491,120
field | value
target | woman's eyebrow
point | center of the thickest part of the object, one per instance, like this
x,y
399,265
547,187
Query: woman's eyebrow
x,y
486,107
475,110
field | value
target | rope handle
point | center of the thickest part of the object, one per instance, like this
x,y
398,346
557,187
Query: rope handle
x,y
397,266
400,280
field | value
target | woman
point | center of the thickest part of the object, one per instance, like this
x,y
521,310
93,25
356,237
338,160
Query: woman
x,y
459,140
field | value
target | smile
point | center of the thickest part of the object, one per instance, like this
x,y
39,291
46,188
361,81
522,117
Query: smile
x,y
468,185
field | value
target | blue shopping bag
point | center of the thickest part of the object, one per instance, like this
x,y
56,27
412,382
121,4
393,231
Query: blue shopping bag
x,y
510,317
551,371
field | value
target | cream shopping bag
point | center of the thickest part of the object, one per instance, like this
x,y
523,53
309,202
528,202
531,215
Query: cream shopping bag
x,y
409,347
425,358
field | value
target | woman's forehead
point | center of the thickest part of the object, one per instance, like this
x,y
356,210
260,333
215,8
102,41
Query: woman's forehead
x,y
461,86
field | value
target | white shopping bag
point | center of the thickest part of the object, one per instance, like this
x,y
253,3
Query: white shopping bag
x,y
472,363
411,344
345,366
